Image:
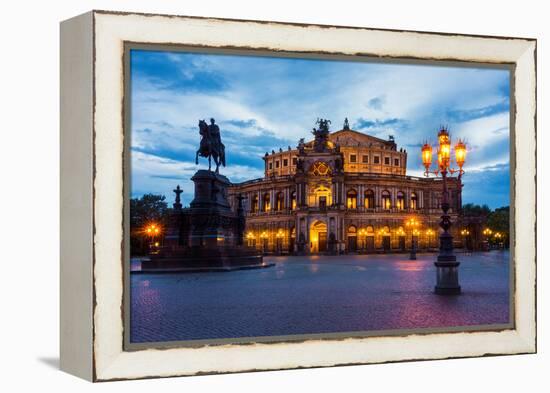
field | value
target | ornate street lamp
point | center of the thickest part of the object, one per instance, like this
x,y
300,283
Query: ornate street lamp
x,y
414,224
446,264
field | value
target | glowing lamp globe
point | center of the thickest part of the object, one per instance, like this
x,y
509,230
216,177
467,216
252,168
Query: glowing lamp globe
x,y
460,153
427,155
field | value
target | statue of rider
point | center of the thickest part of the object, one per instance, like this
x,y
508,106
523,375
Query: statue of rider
x,y
214,131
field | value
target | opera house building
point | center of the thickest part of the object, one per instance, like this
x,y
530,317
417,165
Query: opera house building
x,y
342,192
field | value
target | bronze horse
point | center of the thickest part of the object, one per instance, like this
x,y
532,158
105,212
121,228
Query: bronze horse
x,y
210,145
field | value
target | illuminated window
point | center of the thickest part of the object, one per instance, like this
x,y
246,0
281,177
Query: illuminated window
x,y
369,199
386,200
293,200
254,205
279,201
414,201
320,168
266,202
352,158
400,200
351,199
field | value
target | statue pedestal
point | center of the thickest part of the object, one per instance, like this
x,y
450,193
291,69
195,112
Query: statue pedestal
x,y
209,233
211,221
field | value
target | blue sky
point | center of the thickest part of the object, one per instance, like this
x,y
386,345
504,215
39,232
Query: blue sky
x,y
264,103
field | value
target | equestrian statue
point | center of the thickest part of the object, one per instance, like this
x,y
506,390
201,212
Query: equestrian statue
x,y
211,145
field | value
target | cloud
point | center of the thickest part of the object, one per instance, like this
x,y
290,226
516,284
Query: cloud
x,y
362,124
476,113
490,185
376,102
166,70
267,103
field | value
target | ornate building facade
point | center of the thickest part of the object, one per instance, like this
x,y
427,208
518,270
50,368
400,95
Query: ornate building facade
x,y
344,191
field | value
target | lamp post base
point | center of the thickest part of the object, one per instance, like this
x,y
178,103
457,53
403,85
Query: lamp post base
x,y
447,291
447,278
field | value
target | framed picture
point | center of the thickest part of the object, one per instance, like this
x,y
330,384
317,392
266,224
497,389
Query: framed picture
x,y
248,195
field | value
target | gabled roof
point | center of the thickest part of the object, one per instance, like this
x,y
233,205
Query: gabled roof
x,y
354,138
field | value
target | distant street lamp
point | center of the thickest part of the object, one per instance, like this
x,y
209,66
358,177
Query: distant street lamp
x,y
363,238
446,264
487,232
279,235
263,236
465,233
153,230
250,239
414,224
429,234
498,236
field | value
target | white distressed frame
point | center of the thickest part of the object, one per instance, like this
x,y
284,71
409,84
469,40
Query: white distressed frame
x,y
111,30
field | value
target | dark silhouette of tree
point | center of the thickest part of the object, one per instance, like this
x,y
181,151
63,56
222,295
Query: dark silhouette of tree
x,y
499,221
148,208
471,209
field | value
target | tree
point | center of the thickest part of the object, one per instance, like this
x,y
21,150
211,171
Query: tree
x,y
471,209
146,210
499,221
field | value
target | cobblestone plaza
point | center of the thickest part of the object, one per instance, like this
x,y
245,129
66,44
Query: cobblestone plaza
x,y
317,294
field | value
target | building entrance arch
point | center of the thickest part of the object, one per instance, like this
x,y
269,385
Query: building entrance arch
x,y
318,236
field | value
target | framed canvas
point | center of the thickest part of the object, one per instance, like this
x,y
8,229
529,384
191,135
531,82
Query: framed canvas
x,y
248,195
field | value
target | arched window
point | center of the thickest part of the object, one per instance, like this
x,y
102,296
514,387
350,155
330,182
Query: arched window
x,y
351,202
254,204
293,200
414,201
279,201
370,230
266,203
369,199
400,200
352,230
386,200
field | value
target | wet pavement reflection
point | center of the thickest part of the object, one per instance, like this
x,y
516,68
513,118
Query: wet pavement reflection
x,y
308,295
